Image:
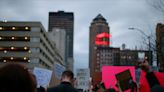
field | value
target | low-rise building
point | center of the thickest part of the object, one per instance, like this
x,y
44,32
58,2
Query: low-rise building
x,y
130,57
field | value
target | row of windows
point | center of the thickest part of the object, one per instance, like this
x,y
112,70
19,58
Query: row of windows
x,y
44,64
104,60
14,59
45,46
16,49
34,39
103,51
13,38
46,56
47,40
127,57
9,38
14,28
5,49
35,50
34,60
105,56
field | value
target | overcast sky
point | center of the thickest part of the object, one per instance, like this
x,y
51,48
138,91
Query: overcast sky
x,y
120,14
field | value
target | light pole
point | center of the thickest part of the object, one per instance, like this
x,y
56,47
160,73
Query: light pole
x,y
148,37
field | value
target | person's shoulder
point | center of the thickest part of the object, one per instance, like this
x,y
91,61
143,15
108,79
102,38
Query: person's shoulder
x,y
76,90
54,89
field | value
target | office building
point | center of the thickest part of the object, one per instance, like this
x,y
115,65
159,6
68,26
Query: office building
x,y
27,43
160,46
64,20
131,57
105,56
58,38
98,37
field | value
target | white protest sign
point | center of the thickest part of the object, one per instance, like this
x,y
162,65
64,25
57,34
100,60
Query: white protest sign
x,y
83,76
43,76
59,69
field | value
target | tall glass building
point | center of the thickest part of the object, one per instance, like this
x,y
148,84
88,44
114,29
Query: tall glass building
x,y
64,20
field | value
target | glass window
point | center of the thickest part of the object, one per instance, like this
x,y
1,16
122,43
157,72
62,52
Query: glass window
x,y
35,29
35,39
36,50
34,60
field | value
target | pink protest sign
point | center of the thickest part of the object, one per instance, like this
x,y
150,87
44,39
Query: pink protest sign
x,y
109,72
144,86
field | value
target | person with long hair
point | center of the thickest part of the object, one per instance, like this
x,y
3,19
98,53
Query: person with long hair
x,y
16,78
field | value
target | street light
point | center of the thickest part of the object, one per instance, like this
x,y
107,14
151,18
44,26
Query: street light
x,y
141,31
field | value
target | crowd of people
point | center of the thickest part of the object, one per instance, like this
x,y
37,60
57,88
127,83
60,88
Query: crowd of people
x,y
15,77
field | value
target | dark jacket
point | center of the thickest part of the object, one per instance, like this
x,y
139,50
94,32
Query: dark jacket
x,y
63,87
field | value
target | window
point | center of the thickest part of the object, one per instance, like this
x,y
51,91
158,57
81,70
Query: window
x,y
37,50
35,29
35,39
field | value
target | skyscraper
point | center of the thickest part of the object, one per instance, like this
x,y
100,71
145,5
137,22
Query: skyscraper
x,y
64,20
98,37
58,38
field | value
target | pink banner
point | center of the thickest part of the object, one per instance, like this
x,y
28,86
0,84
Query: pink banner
x,y
109,72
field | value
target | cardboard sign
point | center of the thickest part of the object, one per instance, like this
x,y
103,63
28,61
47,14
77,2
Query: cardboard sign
x,y
125,79
43,76
109,72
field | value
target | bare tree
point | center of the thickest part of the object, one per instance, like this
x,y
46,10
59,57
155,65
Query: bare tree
x,y
157,5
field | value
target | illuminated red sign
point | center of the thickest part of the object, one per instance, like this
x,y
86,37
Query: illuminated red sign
x,y
102,39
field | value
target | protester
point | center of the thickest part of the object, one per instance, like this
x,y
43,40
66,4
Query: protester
x,y
66,84
153,82
145,66
16,78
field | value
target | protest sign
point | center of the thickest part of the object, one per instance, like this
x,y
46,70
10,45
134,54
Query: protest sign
x,y
109,72
43,76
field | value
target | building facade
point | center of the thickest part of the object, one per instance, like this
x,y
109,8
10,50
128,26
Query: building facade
x,y
58,38
131,57
160,46
105,56
98,26
64,20
27,43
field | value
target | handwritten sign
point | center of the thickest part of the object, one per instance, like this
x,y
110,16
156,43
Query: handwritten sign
x,y
59,69
43,76
83,76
